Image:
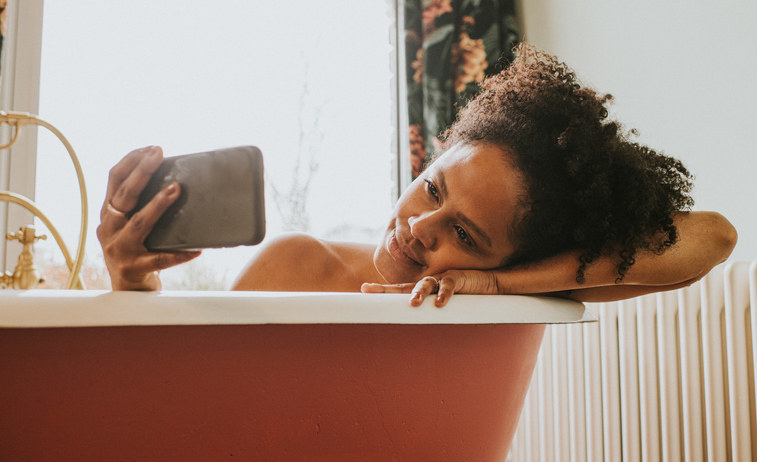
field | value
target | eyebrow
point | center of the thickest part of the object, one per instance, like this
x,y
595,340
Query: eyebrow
x,y
467,221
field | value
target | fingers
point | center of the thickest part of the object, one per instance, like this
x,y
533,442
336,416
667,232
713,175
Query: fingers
x,y
122,169
128,178
450,283
419,290
137,227
423,288
141,223
447,287
444,285
374,288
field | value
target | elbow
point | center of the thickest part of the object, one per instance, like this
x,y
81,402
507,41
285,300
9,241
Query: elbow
x,y
723,236
733,238
713,240
722,240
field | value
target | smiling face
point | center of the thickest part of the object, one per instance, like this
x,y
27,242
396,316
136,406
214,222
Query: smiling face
x,y
456,215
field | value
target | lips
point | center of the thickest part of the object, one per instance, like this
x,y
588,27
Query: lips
x,y
401,253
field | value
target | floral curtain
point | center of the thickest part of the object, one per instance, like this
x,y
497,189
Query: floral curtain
x,y
3,5
450,46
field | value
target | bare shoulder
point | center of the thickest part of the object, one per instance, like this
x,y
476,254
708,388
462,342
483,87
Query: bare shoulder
x,y
295,245
292,262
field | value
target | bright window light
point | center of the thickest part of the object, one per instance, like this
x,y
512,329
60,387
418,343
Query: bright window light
x,y
309,83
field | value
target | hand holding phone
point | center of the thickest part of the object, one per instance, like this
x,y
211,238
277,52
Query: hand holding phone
x,y
122,231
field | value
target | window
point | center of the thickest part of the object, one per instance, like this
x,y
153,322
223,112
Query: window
x,y
310,84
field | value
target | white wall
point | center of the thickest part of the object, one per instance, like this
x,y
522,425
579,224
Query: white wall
x,y
683,73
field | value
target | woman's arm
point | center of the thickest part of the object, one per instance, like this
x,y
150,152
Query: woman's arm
x,y
130,264
705,240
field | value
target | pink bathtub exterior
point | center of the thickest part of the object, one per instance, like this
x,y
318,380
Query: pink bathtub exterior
x,y
88,376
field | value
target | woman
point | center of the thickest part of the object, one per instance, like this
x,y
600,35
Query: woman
x,y
536,192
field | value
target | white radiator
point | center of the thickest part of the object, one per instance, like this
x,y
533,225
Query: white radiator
x,y
663,377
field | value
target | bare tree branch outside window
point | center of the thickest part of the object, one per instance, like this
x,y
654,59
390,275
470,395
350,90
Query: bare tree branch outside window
x,y
292,202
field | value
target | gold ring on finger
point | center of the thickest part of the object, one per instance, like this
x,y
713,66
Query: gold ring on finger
x,y
436,282
114,210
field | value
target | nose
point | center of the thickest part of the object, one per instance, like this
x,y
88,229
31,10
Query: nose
x,y
422,229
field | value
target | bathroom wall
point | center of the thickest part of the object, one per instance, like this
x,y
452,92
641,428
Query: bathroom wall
x,y
683,74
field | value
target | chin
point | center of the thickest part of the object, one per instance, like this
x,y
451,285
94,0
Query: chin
x,y
388,268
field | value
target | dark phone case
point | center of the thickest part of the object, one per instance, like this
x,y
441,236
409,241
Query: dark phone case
x,y
221,203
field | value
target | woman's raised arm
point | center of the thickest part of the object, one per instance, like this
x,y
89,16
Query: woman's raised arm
x,y
705,240
130,264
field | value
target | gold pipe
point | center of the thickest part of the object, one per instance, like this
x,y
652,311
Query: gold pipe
x,y
15,136
19,119
7,196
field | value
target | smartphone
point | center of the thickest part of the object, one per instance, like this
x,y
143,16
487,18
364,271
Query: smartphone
x,y
221,204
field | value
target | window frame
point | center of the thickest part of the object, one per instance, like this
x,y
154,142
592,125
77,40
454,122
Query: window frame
x,y
19,91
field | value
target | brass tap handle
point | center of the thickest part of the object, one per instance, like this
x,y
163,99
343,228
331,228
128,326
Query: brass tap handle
x,y
25,235
25,276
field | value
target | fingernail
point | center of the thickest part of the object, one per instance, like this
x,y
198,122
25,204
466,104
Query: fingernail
x,y
171,189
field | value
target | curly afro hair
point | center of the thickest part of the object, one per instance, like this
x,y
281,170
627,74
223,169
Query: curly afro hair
x,y
589,187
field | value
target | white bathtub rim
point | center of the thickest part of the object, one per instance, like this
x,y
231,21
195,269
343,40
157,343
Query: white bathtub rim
x,y
91,308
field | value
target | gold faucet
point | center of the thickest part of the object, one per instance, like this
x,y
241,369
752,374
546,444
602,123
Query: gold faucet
x,y
16,121
25,276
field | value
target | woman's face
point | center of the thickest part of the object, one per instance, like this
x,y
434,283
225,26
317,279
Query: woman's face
x,y
456,215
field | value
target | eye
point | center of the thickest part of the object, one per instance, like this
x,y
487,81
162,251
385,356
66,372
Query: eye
x,y
432,189
462,235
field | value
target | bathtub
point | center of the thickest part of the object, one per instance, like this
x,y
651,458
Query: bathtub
x,y
90,375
